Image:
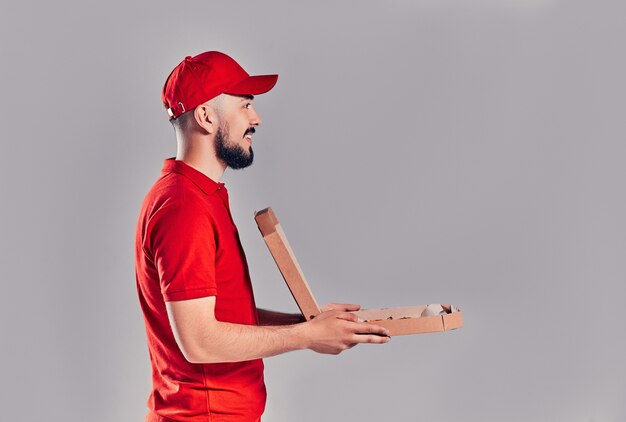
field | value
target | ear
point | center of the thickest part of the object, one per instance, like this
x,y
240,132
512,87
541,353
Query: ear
x,y
206,118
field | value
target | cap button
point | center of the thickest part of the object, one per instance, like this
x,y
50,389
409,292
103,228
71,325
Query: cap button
x,y
188,58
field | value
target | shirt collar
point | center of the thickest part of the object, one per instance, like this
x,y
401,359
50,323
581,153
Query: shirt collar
x,y
205,183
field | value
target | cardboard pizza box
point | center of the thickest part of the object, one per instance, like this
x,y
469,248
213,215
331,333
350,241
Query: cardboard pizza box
x,y
399,321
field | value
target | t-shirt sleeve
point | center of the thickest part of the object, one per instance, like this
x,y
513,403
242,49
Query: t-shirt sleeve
x,y
182,239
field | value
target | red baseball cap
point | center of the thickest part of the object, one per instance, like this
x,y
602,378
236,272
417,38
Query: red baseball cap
x,y
198,79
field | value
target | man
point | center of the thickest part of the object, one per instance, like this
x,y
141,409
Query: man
x,y
206,337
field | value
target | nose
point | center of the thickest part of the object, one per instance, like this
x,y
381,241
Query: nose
x,y
255,119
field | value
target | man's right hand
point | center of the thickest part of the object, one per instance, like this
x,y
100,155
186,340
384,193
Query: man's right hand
x,y
334,331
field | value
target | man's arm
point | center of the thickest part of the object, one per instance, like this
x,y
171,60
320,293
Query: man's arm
x,y
268,317
203,339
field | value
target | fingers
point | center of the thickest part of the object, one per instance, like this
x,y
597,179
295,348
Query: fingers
x,y
367,333
349,307
369,338
362,328
371,333
347,316
365,328
340,307
335,331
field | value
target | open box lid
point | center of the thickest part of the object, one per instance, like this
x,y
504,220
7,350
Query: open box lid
x,y
399,321
286,261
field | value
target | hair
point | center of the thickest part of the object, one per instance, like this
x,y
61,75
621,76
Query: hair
x,y
182,122
186,120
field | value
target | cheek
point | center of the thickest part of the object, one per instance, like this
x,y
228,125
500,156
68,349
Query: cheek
x,y
242,126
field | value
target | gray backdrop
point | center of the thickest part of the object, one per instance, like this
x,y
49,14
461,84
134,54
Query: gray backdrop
x,y
465,152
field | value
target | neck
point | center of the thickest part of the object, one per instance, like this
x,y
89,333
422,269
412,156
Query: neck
x,y
199,153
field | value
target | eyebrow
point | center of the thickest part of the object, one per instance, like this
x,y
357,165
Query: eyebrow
x,y
247,97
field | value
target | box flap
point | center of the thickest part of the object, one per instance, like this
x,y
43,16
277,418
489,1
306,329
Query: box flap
x,y
278,245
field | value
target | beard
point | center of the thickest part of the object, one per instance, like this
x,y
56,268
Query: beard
x,y
232,154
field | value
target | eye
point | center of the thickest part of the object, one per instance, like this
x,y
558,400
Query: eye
x,y
247,106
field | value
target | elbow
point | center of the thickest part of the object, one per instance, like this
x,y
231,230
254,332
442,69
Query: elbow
x,y
203,359
198,355
192,357
196,346
189,347
195,354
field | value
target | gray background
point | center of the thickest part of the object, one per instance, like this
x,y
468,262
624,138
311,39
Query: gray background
x,y
465,152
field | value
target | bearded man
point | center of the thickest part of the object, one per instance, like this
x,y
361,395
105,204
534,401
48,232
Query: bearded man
x,y
206,337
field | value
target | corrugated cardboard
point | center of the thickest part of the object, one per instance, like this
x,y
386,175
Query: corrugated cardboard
x,y
399,321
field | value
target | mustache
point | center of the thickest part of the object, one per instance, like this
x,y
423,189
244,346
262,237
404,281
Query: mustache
x,y
250,130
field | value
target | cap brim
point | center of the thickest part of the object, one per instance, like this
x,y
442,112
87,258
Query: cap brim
x,y
254,85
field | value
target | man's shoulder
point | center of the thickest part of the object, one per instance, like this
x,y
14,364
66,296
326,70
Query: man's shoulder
x,y
175,186
173,192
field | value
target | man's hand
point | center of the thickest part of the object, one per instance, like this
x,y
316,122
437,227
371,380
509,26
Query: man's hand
x,y
340,307
336,330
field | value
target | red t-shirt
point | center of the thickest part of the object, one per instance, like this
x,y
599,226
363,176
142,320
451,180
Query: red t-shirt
x,y
187,246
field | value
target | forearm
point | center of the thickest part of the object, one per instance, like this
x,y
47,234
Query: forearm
x,y
267,317
227,342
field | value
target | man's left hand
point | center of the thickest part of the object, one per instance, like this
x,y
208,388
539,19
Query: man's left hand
x,y
344,307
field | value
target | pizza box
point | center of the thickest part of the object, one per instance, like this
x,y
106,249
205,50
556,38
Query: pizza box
x,y
399,321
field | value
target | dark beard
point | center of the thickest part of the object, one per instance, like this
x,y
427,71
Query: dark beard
x,y
234,155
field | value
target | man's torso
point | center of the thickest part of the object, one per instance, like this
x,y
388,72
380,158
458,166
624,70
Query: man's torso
x,y
187,247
